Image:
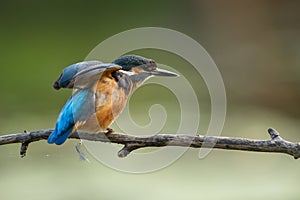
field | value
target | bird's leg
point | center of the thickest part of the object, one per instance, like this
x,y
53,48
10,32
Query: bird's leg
x,y
109,131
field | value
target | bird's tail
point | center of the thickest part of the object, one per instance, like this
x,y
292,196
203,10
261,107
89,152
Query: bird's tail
x,y
59,139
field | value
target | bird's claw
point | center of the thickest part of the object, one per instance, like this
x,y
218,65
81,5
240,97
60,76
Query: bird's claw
x,y
109,131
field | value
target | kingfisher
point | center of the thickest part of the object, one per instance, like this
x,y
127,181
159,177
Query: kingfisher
x,y
101,91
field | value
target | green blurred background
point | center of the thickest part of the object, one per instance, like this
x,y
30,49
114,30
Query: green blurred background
x,y
255,44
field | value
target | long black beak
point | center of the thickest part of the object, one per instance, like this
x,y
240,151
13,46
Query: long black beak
x,y
162,72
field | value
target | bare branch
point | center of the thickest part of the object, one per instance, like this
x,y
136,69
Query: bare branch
x,y
276,144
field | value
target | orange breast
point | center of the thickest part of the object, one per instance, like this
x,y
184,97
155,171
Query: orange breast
x,y
110,101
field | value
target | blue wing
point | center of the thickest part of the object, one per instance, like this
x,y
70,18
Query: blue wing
x,y
66,79
77,109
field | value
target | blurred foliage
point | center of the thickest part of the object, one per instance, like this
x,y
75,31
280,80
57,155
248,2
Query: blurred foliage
x,y
255,44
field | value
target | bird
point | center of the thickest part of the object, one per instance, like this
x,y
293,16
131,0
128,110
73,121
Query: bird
x,y
101,93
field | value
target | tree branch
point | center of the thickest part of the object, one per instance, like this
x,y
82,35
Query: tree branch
x,y
276,144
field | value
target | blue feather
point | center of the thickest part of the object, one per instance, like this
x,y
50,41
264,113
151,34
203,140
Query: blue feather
x,y
69,72
77,109
59,139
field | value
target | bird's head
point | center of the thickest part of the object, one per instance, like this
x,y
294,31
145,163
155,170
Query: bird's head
x,y
140,68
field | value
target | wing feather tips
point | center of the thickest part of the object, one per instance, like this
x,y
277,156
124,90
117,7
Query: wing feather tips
x,y
52,137
59,139
62,138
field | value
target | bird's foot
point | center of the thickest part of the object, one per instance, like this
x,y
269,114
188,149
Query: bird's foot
x,y
109,131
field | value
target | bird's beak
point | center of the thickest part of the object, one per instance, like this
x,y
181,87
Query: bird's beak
x,y
162,72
